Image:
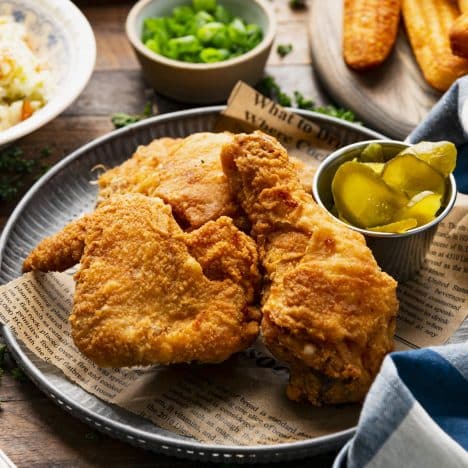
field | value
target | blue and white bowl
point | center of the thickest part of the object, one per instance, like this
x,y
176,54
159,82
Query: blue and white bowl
x,y
65,40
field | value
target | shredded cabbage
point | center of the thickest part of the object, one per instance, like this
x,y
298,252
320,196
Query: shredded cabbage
x,y
24,80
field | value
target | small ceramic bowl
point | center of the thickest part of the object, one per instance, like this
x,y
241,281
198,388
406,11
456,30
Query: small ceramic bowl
x,y
62,37
194,82
400,255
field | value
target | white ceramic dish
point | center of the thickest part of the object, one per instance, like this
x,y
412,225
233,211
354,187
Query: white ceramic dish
x,y
64,39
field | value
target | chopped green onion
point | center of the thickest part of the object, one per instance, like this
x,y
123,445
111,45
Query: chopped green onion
x,y
206,33
211,55
194,32
223,15
207,5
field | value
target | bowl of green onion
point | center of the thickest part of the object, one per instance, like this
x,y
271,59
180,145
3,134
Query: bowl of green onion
x,y
196,50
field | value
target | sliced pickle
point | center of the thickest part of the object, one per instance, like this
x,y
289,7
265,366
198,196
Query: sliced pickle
x,y
376,167
423,210
411,175
362,198
441,155
398,227
372,153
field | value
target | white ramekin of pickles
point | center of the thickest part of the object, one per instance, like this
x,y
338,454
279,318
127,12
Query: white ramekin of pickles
x,y
394,193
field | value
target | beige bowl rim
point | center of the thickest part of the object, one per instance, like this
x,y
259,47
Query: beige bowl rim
x,y
138,44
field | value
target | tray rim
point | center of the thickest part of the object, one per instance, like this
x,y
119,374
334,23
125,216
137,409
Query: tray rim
x,y
163,444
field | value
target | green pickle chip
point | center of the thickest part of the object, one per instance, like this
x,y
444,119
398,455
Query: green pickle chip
x,y
372,153
441,155
399,227
411,175
394,196
376,167
362,198
423,210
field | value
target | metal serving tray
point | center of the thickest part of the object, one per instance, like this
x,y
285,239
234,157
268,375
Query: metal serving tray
x,y
61,195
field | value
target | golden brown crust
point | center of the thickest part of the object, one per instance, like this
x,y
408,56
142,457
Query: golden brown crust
x,y
193,183
328,309
463,6
186,173
458,35
369,31
142,297
139,173
60,251
428,23
225,252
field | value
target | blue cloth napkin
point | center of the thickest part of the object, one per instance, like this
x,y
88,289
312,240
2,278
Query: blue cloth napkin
x,y
448,120
416,412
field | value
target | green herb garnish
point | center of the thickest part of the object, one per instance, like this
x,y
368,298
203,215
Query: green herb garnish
x,y
14,169
203,32
91,436
18,374
270,88
297,4
284,49
120,119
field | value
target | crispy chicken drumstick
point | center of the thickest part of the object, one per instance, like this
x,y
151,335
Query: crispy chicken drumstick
x,y
328,309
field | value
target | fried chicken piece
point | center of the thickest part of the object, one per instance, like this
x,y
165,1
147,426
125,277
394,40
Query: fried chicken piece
x,y
192,180
187,174
328,310
222,251
139,173
142,298
60,251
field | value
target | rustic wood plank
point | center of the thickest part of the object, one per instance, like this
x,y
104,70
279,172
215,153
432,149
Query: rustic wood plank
x,y
126,91
113,48
392,98
295,33
285,14
112,91
36,432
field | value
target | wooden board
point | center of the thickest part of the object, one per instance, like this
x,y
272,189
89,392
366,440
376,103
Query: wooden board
x,y
393,98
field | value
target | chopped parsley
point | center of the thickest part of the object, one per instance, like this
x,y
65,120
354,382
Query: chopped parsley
x,y
18,374
15,168
297,4
284,49
120,119
270,88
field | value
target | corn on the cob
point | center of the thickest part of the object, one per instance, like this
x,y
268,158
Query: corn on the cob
x,y
428,23
463,6
458,36
369,31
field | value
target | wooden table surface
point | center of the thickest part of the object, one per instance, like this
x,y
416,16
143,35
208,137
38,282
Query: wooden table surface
x,y
34,432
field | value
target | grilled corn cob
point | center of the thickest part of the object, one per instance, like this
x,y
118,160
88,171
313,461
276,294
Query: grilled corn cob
x,y
428,23
369,31
458,36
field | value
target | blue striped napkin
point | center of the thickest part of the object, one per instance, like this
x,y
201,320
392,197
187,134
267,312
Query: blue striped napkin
x,y
416,412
